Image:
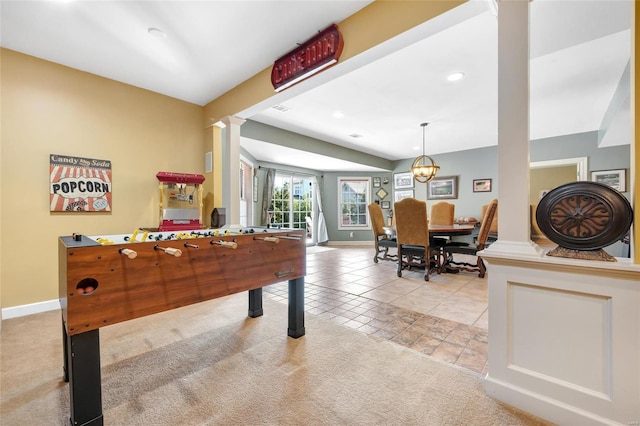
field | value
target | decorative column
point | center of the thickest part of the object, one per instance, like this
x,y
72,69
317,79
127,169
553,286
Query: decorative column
x,y
513,131
231,168
564,334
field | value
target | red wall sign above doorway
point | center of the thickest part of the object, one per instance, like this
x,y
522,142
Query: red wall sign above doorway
x,y
313,56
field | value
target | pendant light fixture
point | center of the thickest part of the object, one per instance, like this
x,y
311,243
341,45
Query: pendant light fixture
x,y
424,169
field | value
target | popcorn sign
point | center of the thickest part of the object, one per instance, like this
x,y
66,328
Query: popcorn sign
x,y
79,184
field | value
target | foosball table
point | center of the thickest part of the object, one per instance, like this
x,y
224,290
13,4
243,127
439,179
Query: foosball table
x,y
105,280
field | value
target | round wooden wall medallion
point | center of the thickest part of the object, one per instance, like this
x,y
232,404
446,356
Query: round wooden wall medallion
x,y
584,215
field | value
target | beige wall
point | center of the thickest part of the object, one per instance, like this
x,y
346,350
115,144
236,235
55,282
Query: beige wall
x,y
47,108
548,178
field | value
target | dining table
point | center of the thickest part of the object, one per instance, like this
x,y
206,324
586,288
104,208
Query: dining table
x,y
439,230
449,231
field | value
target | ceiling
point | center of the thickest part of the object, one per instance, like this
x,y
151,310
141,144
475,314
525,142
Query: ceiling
x,y
579,51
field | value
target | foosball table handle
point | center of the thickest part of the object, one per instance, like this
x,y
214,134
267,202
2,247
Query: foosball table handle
x,y
169,250
228,244
131,254
273,240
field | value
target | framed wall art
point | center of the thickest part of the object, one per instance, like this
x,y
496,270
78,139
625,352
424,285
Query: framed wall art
x,y
402,180
443,188
386,204
377,182
614,178
381,193
78,184
482,185
401,195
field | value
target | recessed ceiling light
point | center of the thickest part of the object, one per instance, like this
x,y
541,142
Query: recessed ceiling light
x,y
455,76
154,32
338,114
355,135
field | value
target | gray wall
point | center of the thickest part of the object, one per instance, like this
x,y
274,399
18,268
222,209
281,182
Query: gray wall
x,y
467,165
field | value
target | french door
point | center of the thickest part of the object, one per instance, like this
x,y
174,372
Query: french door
x,y
292,203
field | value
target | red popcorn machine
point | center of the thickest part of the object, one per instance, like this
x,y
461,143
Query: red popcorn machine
x,y
180,201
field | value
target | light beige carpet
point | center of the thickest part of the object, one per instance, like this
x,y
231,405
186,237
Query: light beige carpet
x,y
209,364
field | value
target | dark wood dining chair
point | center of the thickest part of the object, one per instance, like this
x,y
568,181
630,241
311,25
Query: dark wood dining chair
x,y
412,233
472,249
493,230
381,240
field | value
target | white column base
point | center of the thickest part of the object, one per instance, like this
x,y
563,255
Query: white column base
x,y
514,248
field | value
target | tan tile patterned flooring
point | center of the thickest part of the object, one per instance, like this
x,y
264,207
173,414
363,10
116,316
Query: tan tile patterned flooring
x,y
445,318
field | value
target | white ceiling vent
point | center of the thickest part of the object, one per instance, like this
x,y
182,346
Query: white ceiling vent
x,y
280,108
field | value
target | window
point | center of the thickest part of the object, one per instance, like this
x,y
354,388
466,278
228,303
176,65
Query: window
x,y
354,197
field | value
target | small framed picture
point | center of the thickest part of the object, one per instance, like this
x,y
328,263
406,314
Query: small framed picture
x,y
401,195
613,178
402,180
482,185
381,193
442,188
386,204
377,182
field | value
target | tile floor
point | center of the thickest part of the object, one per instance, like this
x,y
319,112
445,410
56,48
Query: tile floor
x,y
445,318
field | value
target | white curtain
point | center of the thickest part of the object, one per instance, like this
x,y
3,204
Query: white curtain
x,y
269,178
322,234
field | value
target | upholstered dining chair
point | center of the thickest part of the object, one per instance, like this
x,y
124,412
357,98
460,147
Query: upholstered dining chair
x,y
442,213
472,249
412,233
381,240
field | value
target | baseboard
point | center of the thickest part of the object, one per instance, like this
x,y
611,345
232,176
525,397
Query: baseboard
x,y
542,406
33,308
